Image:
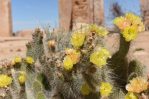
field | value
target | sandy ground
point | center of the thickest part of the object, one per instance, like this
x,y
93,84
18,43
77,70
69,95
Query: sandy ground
x,y
12,46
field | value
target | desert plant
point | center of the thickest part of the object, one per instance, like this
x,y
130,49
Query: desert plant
x,y
77,65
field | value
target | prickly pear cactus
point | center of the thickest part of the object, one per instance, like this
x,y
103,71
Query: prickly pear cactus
x,y
77,65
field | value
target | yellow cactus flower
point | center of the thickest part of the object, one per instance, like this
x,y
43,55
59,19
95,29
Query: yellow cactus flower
x,y
5,80
133,18
68,63
105,89
121,22
105,53
101,31
22,78
29,60
128,21
130,33
16,60
74,55
100,57
130,95
137,85
136,20
93,28
85,90
77,39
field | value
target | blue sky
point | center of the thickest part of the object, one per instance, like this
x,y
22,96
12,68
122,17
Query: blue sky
x,y
28,14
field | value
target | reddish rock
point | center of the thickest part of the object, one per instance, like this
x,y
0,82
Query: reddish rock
x,y
65,9
5,18
145,12
25,33
80,11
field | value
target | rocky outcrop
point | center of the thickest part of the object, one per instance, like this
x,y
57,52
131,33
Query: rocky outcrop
x,y
145,12
65,10
5,18
72,12
25,33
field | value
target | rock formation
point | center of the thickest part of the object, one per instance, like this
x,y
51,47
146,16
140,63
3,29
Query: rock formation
x,y
145,12
72,12
5,18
